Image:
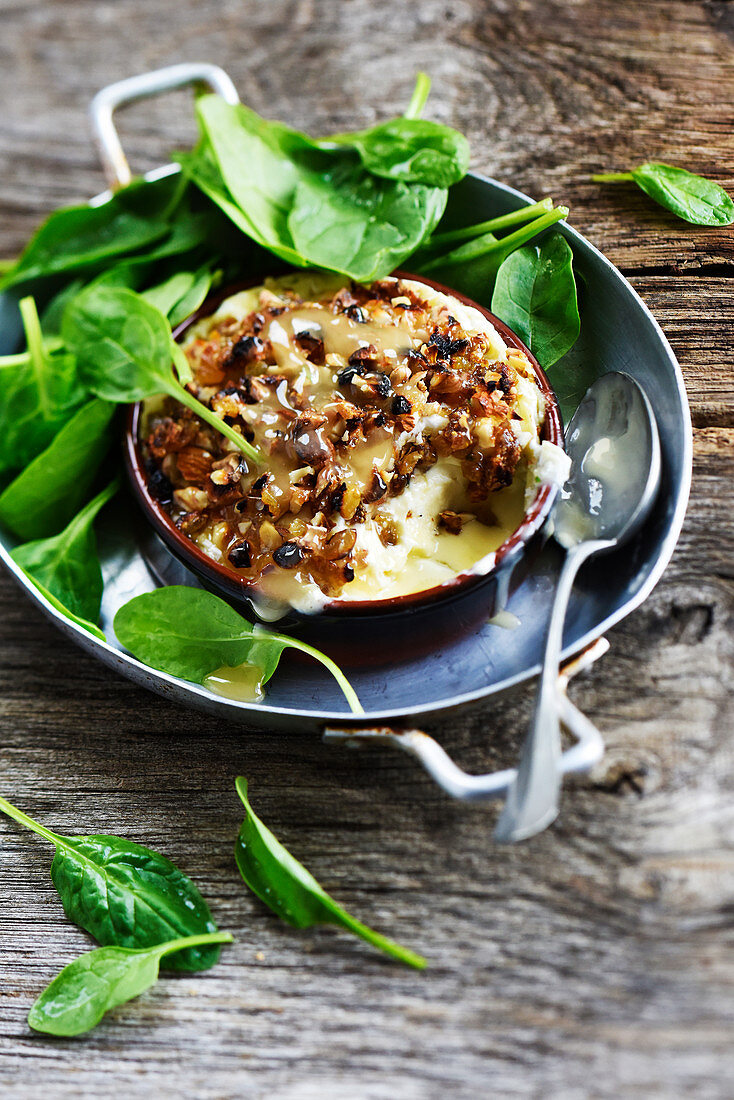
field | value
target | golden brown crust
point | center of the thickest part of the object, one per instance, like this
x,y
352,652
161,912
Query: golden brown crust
x,y
320,419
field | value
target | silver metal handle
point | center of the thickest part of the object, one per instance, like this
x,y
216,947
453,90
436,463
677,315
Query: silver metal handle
x,y
106,102
581,757
533,797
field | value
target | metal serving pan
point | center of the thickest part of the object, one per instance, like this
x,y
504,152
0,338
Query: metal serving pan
x,y
618,333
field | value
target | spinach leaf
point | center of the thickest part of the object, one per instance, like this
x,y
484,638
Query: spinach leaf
x,y
535,294
188,632
40,390
179,295
42,499
79,238
124,894
310,202
472,267
165,295
410,148
691,197
189,302
291,891
125,351
356,223
80,995
85,624
67,565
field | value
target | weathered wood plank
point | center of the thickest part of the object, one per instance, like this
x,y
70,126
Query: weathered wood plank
x,y
595,961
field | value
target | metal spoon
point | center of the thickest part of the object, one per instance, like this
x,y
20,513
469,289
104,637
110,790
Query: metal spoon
x,y
613,444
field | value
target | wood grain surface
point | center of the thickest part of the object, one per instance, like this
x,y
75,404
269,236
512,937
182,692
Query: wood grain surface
x,y
594,961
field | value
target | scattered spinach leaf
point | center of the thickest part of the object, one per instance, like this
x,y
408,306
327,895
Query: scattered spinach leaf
x,y
125,351
535,294
188,632
693,198
42,499
124,894
67,564
291,891
80,995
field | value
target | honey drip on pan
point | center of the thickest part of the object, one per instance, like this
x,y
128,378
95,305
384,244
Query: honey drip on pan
x,y
242,683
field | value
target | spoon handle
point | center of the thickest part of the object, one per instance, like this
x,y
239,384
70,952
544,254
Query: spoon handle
x,y
532,800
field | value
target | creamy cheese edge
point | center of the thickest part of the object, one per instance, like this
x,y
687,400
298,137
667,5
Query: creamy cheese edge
x,y
425,556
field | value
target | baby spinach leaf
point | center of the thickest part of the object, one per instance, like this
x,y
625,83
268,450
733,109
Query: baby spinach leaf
x,y
180,294
80,995
307,201
356,223
80,237
42,499
83,238
188,632
691,197
291,891
472,267
40,390
67,565
410,149
125,351
57,604
194,297
124,894
535,294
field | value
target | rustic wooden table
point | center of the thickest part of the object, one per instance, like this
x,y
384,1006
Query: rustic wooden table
x,y
593,961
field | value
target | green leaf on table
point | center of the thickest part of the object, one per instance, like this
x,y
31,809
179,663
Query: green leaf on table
x,y
80,995
190,633
535,294
67,565
42,499
693,198
291,891
40,390
125,352
124,894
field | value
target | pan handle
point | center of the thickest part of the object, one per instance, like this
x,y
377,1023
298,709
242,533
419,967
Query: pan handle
x,y
105,103
581,757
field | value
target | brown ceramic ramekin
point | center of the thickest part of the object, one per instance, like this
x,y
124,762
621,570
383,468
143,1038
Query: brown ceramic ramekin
x,y
365,631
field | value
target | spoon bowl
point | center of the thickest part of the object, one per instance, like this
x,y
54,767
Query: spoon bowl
x,y
612,441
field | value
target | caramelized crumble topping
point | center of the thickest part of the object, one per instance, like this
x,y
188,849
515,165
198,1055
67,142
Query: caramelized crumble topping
x,y
347,395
